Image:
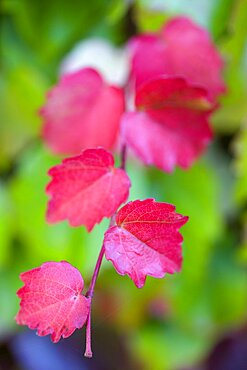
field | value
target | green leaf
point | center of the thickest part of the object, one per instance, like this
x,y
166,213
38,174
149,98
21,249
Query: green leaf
x,y
196,194
220,17
151,14
227,282
6,225
241,165
51,27
9,283
168,347
41,241
233,47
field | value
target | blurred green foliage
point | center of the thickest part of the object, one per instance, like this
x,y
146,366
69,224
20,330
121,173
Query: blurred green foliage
x,y
172,322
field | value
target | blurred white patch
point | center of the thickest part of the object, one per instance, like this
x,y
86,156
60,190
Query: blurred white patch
x,y
111,62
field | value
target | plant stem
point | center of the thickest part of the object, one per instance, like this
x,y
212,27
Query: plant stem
x,y
90,291
88,352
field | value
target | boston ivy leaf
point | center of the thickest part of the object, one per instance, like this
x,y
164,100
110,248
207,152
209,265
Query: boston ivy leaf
x,y
146,240
171,127
86,188
182,49
82,111
51,300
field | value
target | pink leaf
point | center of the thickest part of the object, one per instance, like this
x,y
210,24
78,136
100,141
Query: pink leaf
x,y
51,300
82,111
171,92
86,188
172,127
146,240
181,49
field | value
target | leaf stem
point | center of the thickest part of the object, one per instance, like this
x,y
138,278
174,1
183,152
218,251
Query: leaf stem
x,y
90,293
88,352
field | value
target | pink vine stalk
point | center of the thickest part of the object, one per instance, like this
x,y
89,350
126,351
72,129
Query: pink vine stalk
x,y
90,293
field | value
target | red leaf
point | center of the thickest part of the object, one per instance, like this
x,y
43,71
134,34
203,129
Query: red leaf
x,y
171,92
86,188
181,49
146,240
51,300
172,128
82,111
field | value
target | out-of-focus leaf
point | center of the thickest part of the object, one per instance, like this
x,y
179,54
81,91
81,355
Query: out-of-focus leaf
x,y
149,20
117,11
234,47
227,281
8,299
41,241
241,165
140,186
195,192
219,17
151,14
90,116
226,21
22,91
242,253
51,27
5,226
167,347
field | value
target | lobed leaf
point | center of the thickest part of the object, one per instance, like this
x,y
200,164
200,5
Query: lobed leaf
x,y
51,300
146,240
82,111
180,49
86,188
171,127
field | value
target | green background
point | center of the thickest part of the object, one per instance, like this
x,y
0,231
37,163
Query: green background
x,y
171,323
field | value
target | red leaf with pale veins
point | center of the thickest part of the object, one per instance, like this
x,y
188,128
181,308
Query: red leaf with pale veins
x,y
180,49
82,111
86,188
171,127
146,240
51,300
